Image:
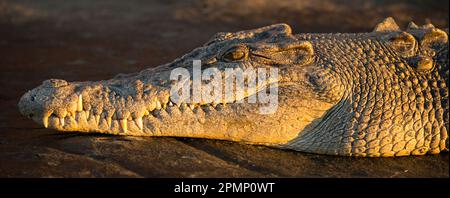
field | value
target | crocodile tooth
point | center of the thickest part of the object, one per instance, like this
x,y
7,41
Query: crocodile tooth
x,y
192,106
139,122
108,121
158,105
80,103
61,121
45,121
72,120
123,124
170,104
87,114
97,119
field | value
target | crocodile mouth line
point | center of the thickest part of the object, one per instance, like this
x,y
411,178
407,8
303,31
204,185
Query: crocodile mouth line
x,y
54,121
68,121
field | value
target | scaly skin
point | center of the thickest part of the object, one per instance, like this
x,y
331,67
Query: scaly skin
x,y
374,94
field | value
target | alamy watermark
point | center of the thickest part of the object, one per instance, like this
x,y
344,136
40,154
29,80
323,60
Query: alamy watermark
x,y
233,85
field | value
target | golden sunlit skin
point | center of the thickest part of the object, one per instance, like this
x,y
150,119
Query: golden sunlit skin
x,y
376,94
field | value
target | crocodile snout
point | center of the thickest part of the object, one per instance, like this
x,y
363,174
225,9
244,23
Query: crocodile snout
x,y
27,101
39,102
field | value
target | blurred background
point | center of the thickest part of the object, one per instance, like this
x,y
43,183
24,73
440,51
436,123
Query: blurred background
x,y
94,40
63,37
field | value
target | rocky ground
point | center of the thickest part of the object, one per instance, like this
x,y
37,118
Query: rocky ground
x,y
94,40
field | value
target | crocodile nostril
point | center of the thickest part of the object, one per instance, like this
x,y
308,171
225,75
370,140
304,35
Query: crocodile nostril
x,y
33,98
30,115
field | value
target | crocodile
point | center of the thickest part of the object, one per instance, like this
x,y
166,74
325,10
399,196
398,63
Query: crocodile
x,y
375,94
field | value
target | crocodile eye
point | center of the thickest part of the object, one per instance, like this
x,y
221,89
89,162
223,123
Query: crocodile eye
x,y
235,53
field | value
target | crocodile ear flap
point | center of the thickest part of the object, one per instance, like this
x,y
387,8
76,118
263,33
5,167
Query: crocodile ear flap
x,y
402,42
288,53
301,52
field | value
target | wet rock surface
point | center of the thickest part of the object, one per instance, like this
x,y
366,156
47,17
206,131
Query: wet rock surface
x,y
94,40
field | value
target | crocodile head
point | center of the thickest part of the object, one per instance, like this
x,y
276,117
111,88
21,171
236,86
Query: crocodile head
x,y
361,94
